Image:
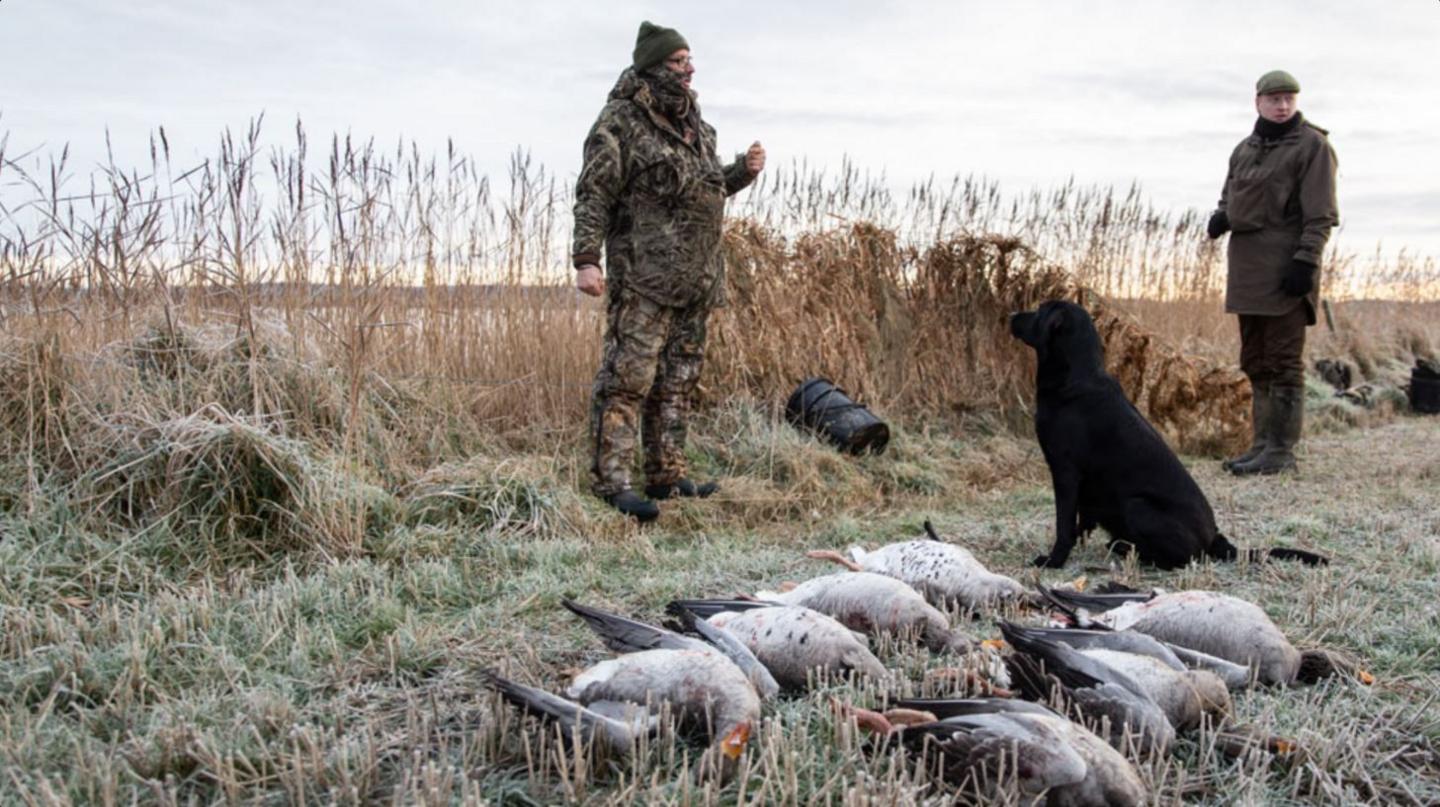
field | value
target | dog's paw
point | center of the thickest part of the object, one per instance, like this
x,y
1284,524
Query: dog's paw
x,y
1044,562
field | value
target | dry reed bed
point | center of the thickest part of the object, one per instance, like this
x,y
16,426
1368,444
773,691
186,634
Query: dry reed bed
x,y
416,269
394,281
264,442
926,330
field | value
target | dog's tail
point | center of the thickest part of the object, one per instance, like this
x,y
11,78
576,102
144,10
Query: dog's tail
x,y
1222,549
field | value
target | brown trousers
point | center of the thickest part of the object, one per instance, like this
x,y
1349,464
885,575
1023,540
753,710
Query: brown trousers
x,y
649,371
1272,348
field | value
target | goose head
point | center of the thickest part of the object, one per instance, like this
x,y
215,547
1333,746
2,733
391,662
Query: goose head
x,y
721,761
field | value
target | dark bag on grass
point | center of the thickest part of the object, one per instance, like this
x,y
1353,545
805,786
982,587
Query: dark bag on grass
x,y
825,408
1425,387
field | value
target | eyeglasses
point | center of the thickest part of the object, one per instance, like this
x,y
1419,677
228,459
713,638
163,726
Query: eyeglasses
x,y
683,61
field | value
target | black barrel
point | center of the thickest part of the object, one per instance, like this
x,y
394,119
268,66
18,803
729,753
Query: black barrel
x,y
1425,389
819,405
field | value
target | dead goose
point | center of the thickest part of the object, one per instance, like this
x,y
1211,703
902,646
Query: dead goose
x,y
1206,621
1049,755
873,603
613,703
1098,690
944,573
1315,664
1183,694
790,640
625,635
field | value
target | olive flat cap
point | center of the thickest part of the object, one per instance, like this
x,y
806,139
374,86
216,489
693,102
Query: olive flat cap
x,y
1276,81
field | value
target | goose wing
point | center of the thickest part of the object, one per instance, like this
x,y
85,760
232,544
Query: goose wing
x,y
944,708
625,635
600,726
707,608
735,650
1073,601
986,742
1235,676
1098,689
1069,665
1124,641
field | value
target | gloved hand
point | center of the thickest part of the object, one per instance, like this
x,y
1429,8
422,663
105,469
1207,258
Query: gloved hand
x,y
1299,279
1218,226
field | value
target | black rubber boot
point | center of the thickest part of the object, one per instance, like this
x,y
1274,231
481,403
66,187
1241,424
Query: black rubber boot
x,y
683,487
1287,413
634,505
1259,427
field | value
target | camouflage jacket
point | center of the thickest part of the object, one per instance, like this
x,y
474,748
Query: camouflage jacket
x,y
655,202
1279,196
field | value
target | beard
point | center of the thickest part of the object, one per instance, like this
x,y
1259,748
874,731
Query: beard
x,y
676,100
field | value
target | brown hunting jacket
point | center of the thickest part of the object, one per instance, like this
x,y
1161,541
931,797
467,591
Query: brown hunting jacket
x,y
1280,199
655,202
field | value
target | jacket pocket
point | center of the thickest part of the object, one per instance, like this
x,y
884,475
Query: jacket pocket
x,y
659,253
1260,197
1249,203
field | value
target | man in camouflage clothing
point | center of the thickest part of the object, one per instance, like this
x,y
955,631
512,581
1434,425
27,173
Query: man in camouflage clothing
x,y
1278,203
652,194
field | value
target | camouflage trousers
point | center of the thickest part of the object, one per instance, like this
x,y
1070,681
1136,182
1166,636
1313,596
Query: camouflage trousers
x,y
648,373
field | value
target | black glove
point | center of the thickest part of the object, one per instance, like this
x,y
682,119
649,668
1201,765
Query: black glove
x,y
1299,279
1218,226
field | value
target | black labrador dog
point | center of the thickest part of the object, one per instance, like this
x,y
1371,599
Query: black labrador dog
x,y
1108,465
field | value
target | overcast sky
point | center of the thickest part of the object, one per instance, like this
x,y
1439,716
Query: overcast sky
x,y
1028,93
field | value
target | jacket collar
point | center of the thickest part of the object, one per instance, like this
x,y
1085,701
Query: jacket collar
x,y
632,86
1270,132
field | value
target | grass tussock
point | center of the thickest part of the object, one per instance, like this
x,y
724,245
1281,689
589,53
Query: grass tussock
x,y
520,496
244,491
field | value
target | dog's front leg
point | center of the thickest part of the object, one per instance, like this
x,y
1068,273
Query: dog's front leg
x,y
1067,495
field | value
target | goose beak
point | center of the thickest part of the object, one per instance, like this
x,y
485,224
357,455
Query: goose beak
x,y
1365,678
994,644
733,744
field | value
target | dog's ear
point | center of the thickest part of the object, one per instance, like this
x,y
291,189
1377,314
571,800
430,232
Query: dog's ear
x,y
1053,321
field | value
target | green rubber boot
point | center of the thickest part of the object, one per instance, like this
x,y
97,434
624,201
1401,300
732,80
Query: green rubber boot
x,y
1287,413
1259,426
634,505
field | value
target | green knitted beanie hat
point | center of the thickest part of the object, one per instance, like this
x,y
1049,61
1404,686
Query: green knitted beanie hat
x,y
654,43
1276,81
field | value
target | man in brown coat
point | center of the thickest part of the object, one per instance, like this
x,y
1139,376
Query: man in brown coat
x,y
651,196
1278,204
